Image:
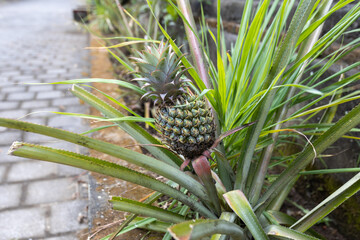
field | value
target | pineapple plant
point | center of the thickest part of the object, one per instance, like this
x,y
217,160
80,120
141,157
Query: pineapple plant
x,y
184,120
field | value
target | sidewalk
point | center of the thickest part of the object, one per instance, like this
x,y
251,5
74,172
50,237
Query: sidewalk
x,y
40,43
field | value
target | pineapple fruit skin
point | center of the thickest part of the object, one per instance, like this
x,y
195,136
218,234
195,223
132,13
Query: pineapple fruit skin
x,y
187,126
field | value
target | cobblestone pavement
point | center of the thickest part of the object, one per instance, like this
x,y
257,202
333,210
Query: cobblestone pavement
x,y
40,43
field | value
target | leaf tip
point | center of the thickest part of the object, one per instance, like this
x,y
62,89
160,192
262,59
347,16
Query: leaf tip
x,y
16,145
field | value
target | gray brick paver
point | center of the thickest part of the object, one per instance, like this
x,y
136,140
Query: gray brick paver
x,y
13,113
65,101
3,168
25,79
22,96
9,136
40,200
64,216
37,138
11,194
41,88
5,158
34,118
22,223
31,170
35,104
49,95
43,191
13,88
8,105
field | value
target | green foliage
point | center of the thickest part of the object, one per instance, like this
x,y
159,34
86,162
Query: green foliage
x,y
268,79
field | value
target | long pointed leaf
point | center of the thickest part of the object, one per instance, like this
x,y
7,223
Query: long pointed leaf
x,y
132,129
128,205
103,167
287,233
139,159
144,223
240,205
199,229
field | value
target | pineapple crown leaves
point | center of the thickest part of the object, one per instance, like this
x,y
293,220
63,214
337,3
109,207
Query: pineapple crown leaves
x,y
161,72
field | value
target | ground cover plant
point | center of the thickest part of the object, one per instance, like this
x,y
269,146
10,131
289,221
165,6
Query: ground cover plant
x,y
222,123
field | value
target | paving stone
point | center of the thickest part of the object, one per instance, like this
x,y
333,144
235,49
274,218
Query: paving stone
x,y
35,119
15,88
6,138
66,101
5,73
10,195
77,109
49,95
37,138
48,77
62,121
2,172
5,158
22,223
2,95
25,79
8,105
57,71
35,104
21,96
13,113
64,216
64,170
43,191
31,170
40,88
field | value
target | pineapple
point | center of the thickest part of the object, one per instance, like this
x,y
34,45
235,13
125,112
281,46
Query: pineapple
x,y
185,122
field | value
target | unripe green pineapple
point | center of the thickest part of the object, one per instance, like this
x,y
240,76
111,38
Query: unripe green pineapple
x,y
185,122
